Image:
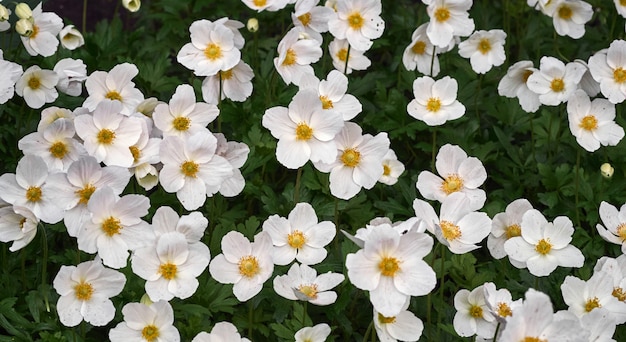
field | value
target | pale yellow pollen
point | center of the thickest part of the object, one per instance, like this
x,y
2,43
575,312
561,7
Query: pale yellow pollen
x,y
621,231
449,230
105,136
213,51
304,132
259,3
168,271
189,168
227,75
592,304
619,293
476,311
452,183
388,266
619,75
565,12
484,46
33,194
34,82
181,123
543,247
248,266
419,48
150,333
290,57
326,102
351,157
309,290
442,14
58,150
136,152
513,231
356,21
386,170
111,226
588,123
305,19
83,291
342,55
113,95
433,104
296,239
557,85
386,320
85,193
504,310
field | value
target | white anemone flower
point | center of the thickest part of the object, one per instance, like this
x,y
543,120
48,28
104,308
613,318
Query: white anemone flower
x,y
515,84
242,263
358,162
419,54
358,21
473,316
485,49
401,227
448,18
505,226
332,94
191,168
302,283
404,326
304,130
115,85
171,267
11,74
85,291
435,101
236,84
391,268
192,226
570,17
312,19
115,226
236,153
582,297
392,168
183,116
222,331
17,225
37,86
212,48
296,53
344,61
457,173
71,38
458,227
593,122
614,228
544,245
608,67
51,114
555,82
154,322
43,40
300,236
269,5
500,302
317,333
72,74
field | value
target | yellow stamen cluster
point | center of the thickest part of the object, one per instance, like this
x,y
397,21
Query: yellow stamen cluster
x,y
226,75
533,339
83,291
621,231
150,333
442,14
388,266
85,193
619,75
168,271
259,3
513,231
543,247
452,183
326,102
58,150
113,95
34,82
419,48
304,132
386,170
111,226
619,293
449,230
105,136
504,310
484,46
592,304
588,123
134,150
356,21
33,194
351,157
565,12
305,19
213,51
189,169
476,311
181,123
297,239
290,58
309,290
433,104
342,55
526,75
386,320
248,266
557,85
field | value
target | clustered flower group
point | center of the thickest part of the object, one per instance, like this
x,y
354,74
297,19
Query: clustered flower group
x,y
78,163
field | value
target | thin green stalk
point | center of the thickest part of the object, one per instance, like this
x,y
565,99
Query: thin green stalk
x,y
429,302
367,332
495,335
84,16
434,150
44,264
219,105
432,60
250,319
441,288
345,69
576,187
296,190
304,314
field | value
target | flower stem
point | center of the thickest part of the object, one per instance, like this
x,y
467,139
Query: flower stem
x,y
84,16
434,151
367,332
296,190
44,264
441,289
495,335
219,105
345,69
576,187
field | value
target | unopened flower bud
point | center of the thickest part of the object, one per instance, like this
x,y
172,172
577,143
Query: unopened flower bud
x,y
252,25
24,27
71,38
145,300
23,11
607,170
4,13
132,5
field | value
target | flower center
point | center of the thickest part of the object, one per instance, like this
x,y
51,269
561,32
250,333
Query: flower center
x,y
504,310
484,46
309,290
248,266
189,169
150,333
305,19
526,75
181,123
106,136
543,247
618,293
476,311
619,75
33,194
351,157
111,226
303,132
326,102
513,231
622,2
342,55
386,320
213,51
226,75
356,21
168,271
386,170
388,266
452,183
592,304
433,104
35,32
134,150
296,239
565,12
83,291
22,222
557,85
533,339
58,149
449,230
290,58
34,82
621,231
259,3
113,95
419,48
442,14
85,193
588,123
